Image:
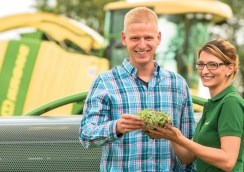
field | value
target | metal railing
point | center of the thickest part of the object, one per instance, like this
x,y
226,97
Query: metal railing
x,y
80,98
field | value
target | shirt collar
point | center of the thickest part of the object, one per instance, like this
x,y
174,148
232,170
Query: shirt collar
x,y
132,70
224,92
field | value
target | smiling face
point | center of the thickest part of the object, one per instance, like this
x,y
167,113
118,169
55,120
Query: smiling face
x,y
141,40
216,80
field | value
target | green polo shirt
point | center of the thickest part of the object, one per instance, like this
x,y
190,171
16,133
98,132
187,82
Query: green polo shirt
x,y
223,115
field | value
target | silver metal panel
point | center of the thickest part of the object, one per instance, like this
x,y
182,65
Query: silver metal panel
x,y
44,144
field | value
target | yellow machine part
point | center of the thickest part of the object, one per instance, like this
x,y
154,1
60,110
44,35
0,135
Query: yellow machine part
x,y
34,73
59,73
217,9
58,27
3,49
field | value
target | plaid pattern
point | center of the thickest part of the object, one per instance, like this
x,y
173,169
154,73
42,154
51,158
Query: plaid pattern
x,y
119,91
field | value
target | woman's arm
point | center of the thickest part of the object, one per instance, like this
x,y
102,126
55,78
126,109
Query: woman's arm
x,y
223,158
174,135
184,155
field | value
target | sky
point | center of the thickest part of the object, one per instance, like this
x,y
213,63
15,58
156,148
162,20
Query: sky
x,y
10,7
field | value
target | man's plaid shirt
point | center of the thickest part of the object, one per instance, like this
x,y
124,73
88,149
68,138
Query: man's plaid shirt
x,y
118,92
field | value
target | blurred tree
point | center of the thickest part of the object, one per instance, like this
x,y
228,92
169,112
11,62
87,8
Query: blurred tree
x,y
89,12
233,31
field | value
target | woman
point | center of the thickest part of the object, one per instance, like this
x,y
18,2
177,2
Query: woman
x,y
218,141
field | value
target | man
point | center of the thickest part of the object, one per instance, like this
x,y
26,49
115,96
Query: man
x,y
109,116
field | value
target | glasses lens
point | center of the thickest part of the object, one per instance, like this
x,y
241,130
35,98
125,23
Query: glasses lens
x,y
200,65
212,65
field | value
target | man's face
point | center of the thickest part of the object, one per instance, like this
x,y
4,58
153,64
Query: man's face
x,y
141,40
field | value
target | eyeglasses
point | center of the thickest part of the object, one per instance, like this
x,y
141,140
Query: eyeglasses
x,y
209,65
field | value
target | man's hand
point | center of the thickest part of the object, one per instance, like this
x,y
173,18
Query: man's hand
x,y
128,123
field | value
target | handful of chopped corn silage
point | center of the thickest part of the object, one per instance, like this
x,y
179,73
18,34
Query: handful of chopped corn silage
x,y
154,118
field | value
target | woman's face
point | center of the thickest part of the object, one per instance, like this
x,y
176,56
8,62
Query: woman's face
x,y
215,79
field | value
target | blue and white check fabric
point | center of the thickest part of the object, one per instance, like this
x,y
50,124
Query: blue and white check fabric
x,y
119,91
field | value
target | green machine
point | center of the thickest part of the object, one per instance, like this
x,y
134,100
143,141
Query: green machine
x,y
34,70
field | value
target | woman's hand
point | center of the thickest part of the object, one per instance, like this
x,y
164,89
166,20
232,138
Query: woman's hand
x,y
169,132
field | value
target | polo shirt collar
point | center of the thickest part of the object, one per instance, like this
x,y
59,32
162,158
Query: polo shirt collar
x,y
223,93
